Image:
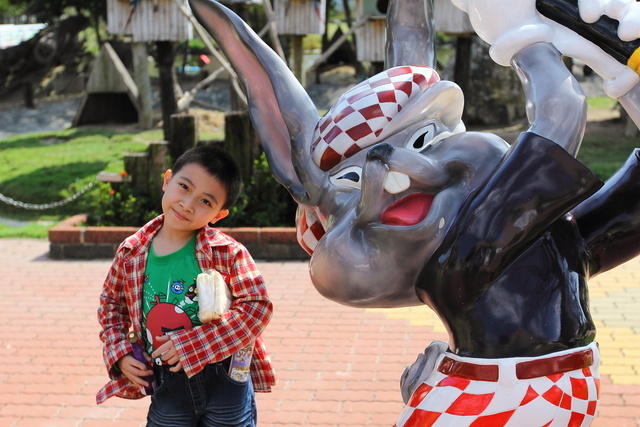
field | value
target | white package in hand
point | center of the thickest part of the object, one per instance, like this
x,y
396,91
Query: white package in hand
x,y
214,296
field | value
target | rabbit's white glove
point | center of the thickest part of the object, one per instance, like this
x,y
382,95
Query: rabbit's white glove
x,y
507,25
627,12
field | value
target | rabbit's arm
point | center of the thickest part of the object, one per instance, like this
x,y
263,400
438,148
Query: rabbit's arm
x,y
411,32
556,104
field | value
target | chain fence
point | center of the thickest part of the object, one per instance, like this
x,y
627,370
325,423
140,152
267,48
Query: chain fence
x,y
31,206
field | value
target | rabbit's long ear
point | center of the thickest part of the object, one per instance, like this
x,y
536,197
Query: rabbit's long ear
x,y
282,112
411,33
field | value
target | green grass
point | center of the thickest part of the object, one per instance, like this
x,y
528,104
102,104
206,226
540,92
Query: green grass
x,y
46,167
604,156
32,230
601,102
606,149
42,168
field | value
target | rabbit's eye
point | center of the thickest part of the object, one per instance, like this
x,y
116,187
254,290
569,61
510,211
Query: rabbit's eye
x,y
347,177
351,176
423,138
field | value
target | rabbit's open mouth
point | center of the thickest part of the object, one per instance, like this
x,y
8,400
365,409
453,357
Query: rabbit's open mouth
x,y
409,210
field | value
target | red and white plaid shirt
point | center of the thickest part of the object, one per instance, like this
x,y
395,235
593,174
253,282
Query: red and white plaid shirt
x,y
121,302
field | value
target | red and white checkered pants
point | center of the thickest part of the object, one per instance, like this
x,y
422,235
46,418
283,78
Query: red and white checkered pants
x,y
567,399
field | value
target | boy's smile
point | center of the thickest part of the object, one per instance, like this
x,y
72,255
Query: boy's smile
x,y
192,199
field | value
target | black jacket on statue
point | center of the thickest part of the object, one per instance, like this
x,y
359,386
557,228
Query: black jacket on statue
x,y
510,276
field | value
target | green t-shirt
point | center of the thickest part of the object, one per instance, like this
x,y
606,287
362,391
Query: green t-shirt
x,y
170,301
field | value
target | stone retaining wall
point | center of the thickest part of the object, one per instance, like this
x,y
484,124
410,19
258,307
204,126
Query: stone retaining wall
x,y
70,240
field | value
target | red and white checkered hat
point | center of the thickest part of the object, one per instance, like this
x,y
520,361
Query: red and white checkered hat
x,y
361,113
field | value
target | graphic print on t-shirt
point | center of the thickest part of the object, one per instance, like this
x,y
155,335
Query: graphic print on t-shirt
x,y
173,310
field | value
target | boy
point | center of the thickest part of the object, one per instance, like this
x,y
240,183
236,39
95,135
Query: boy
x,y
150,287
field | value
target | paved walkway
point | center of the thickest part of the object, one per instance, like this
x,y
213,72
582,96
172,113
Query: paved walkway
x,y
338,366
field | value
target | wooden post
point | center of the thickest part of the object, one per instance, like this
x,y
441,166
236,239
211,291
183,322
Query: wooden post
x,y
184,134
241,141
297,55
137,167
28,96
158,152
147,171
143,82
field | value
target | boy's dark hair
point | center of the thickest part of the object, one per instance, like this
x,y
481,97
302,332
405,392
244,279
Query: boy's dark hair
x,y
219,164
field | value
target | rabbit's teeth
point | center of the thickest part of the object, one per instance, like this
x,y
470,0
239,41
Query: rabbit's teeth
x,y
396,182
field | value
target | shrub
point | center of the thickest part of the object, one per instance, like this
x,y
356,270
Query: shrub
x,y
264,201
119,205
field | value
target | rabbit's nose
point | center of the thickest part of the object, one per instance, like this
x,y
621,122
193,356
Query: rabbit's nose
x,y
379,152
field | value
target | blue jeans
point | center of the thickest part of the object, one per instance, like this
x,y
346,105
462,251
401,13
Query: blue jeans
x,y
208,399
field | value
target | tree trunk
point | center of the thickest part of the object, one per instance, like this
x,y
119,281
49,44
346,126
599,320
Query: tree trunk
x,y
184,134
347,12
359,68
298,55
141,77
167,79
494,96
241,141
30,61
462,66
28,96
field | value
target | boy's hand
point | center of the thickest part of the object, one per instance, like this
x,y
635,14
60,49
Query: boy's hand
x,y
134,370
168,353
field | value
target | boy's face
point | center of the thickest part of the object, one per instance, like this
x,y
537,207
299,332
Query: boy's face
x,y
192,198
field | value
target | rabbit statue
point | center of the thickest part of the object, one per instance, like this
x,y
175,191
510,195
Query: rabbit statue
x,y
399,205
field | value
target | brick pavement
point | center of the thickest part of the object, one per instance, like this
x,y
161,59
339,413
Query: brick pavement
x,y
337,366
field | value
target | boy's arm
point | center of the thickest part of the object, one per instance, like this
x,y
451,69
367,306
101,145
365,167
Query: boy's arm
x,y
250,313
114,319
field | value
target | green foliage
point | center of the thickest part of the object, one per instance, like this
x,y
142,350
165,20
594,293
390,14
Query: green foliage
x,y
90,40
312,43
120,205
263,203
48,11
11,9
196,44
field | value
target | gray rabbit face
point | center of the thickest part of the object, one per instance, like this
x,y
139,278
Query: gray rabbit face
x,y
384,208
377,238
